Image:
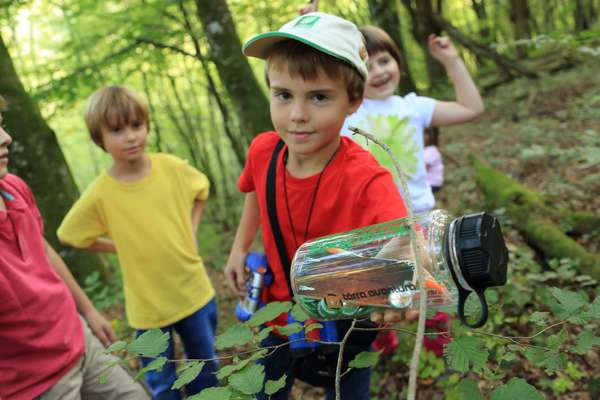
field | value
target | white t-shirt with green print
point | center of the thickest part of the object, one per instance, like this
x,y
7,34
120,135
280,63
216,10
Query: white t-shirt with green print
x,y
399,122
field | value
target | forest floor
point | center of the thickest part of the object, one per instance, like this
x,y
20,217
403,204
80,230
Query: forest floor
x,y
546,134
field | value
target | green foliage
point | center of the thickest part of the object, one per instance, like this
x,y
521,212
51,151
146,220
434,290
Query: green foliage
x,y
187,373
516,388
468,389
364,359
150,343
214,393
269,313
235,335
272,387
464,351
249,380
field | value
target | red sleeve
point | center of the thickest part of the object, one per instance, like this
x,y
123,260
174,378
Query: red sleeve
x,y
25,192
257,159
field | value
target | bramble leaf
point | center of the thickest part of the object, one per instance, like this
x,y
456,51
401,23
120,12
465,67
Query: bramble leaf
x,y
465,350
516,388
585,341
298,313
468,389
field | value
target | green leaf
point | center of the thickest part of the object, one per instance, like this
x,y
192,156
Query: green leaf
x,y
554,361
269,312
231,368
116,346
539,318
235,335
313,326
364,359
569,301
585,341
290,329
516,388
250,380
555,341
151,343
298,313
262,335
212,393
593,311
465,350
187,373
155,365
468,389
534,355
272,387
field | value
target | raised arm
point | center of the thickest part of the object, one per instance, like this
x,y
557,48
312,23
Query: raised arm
x,y
246,232
98,324
468,104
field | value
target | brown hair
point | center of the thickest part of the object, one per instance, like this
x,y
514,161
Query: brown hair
x,y
376,40
2,103
113,107
306,61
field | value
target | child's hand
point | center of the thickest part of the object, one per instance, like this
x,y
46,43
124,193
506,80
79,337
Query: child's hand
x,y
392,316
235,273
442,49
100,327
311,7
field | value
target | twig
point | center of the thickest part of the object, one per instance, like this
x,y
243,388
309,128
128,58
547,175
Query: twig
x,y
338,369
414,362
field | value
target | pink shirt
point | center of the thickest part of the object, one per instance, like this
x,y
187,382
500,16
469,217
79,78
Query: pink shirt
x,y
434,166
41,337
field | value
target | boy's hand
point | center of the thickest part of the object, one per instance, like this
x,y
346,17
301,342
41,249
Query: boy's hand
x,y
236,274
100,327
392,316
442,49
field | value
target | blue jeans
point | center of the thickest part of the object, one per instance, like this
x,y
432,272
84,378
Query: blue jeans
x,y
197,333
354,386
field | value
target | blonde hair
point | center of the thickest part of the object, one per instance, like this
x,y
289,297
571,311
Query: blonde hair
x,y
113,107
305,61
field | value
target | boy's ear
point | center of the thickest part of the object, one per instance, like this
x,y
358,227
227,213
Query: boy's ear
x,y
354,105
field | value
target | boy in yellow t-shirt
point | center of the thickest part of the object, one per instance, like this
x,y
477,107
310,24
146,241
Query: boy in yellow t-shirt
x,y
146,208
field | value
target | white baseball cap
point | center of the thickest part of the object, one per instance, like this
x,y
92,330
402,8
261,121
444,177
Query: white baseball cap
x,y
325,32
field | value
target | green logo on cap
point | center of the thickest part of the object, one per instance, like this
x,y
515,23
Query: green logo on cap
x,y
307,21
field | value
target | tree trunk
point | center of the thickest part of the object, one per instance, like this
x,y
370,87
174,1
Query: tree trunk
x,y
519,15
250,103
533,218
482,20
37,158
385,15
581,18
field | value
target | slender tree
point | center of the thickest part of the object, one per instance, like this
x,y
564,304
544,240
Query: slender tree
x,y
519,15
250,103
38,159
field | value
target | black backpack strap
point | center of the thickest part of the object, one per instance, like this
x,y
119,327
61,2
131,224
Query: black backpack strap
x,y
272,211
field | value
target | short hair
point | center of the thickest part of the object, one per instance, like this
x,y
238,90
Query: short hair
x,y
306,61
377,40
113,107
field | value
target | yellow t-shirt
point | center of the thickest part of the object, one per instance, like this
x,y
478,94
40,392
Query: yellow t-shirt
x,y
150,223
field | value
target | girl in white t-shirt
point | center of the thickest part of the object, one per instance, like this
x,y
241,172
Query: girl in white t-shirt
x,y
399,121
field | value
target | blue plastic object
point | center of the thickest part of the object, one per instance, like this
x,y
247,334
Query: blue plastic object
x,y
259,277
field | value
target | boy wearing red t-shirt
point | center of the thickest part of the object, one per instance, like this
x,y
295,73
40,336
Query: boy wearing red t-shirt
x,y
324,184
46,350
